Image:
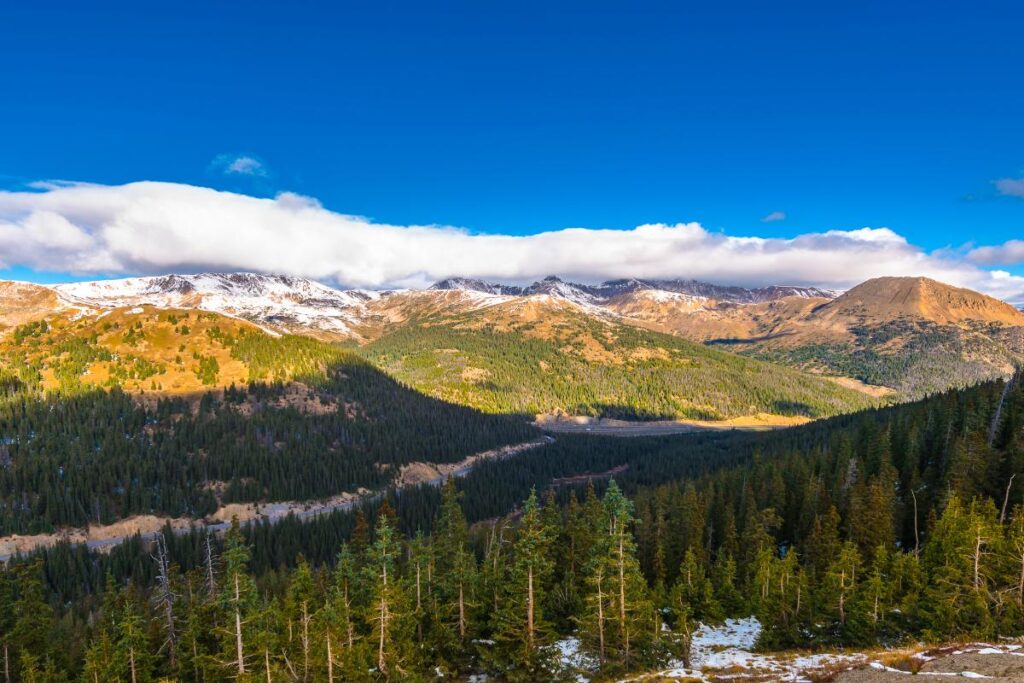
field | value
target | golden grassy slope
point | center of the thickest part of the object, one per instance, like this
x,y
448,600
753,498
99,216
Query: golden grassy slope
x,y
138,349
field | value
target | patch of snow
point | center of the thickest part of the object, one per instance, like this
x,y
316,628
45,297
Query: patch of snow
x,y
662,296
730,646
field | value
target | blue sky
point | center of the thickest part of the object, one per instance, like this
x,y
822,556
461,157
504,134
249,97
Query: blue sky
x,y
518,118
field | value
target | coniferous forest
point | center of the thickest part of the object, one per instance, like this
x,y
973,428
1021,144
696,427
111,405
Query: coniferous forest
x,y
880,527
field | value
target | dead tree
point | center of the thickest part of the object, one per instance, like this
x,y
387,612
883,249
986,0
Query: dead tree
x,y
163,598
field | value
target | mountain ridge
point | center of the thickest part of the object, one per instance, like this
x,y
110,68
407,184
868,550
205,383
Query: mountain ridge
x,y
889,331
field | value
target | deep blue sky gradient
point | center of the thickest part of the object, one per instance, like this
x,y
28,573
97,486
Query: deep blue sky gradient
x,y
521,117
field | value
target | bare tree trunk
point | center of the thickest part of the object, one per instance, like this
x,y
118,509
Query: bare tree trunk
x,y
211,582
529,609
917,537
7,661
381,663
462,612
600,615
266,660
131,663
238,630
622,593
349,626
977,562
842,597
419,607
305,641
1006,499
330,660
165,598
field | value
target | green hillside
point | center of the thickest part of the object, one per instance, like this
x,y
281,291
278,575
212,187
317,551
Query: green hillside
x,y
581,366
300,419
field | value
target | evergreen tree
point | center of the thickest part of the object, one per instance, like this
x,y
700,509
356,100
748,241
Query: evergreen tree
x,y
521,630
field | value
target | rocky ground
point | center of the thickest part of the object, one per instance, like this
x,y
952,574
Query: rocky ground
x,y
726,653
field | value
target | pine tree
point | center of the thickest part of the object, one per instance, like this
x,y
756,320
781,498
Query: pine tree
x,y
520,629
298,615
385,616
456,575
694,589
7,621
960,561
1012,572
836,592
238,600
33,616
620,616
132,647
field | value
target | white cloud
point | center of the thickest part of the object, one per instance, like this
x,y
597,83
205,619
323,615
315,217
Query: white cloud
x,y
1008,253
1011,187
246,165
774,216
150,227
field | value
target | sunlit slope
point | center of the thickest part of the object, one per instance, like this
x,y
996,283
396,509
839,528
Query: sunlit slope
x,y
540,355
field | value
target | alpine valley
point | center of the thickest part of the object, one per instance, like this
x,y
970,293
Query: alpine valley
x,y
239,476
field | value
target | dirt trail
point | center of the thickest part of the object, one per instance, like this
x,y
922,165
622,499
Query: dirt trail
x,y
105,537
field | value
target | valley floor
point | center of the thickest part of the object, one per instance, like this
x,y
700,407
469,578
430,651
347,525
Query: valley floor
x,y
601,426
105,537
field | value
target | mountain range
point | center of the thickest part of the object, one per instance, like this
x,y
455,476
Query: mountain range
x,y
911,336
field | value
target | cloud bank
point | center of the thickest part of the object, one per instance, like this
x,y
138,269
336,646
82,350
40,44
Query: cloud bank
x,y
151,227
1006,254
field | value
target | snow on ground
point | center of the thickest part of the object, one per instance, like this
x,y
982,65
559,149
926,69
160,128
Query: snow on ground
x,y
729,650
570,657
726,652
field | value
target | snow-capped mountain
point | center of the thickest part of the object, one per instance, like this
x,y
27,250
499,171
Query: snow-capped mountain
x,y
277,302
604,292
471,285
281,303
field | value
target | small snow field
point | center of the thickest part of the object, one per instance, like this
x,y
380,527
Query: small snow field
x,y
727,653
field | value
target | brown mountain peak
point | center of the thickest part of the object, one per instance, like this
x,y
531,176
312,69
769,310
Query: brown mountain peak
x,y
889,298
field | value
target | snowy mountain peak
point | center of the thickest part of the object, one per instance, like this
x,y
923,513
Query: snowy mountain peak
x,y
472,285
283,303
278,302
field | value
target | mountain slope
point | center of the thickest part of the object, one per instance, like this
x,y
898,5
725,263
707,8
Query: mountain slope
x,y
22,302
915,335
175,412
541,355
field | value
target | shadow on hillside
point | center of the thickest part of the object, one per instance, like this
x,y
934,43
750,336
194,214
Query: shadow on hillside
x,y
735,341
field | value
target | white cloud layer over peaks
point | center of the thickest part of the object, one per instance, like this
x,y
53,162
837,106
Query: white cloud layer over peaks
x,y
1007,253
150,227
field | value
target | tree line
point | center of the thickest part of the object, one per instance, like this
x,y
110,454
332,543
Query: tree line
x,y
891,525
